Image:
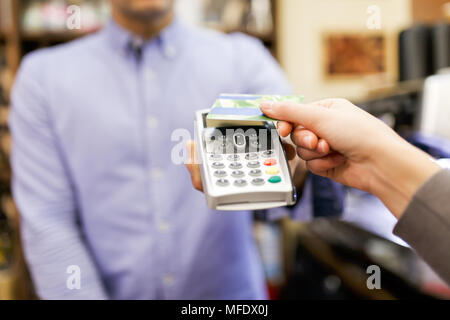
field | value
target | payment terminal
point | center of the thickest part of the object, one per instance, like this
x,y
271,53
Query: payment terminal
x,y
243,167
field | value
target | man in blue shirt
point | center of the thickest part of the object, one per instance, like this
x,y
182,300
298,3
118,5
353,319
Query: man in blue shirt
x,y
93,177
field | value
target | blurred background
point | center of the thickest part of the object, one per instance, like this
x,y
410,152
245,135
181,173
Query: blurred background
x,y
390,57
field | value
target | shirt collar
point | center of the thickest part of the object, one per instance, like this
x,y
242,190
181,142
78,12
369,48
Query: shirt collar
x,y
168,40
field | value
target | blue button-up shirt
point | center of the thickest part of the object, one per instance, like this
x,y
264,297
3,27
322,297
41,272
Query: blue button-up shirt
x,y
92,125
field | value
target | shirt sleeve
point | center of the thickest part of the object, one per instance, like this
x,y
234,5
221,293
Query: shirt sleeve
x,y
259,70
52,239
444,163
425,224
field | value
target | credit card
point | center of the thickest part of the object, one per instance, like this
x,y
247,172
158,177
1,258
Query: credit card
x,y
243,109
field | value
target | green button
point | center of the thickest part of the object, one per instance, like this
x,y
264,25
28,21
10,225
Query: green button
x,y
275,179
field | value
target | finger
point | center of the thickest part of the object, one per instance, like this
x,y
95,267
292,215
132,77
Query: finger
x,y
323,147
196,179
284,128
307,115
190,148
290,151
309,155
304,138
193,167
321,166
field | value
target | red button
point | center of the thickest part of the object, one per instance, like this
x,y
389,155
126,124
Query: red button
x,y
270,162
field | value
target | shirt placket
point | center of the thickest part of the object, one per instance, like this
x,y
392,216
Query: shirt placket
x,y
154,130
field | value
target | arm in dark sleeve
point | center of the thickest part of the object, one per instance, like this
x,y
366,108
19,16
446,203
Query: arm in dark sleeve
x,y
425,225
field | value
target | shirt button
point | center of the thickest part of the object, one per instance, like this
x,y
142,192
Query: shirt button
x,y
170,52
163,226
157,173
153,122
150,75
168,280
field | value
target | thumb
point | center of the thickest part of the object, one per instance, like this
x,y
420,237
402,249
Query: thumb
x,y
306,115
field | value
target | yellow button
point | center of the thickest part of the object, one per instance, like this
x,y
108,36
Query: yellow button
x,y
273,171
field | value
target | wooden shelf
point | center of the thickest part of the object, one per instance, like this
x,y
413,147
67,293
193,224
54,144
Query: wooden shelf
x,y
51,36
269,37
266,38
4,34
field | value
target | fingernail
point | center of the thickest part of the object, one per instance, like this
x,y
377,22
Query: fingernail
x,y
267,105
322,146
307,141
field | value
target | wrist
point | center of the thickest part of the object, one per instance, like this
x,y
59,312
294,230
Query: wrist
x,y
399,171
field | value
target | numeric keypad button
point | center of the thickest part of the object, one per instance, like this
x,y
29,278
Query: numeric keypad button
x,y
258,182
240,183
218,165
223,182
237,174
220,173
234,157
252,156
215,157
268,154
253,164
235,166
255,173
